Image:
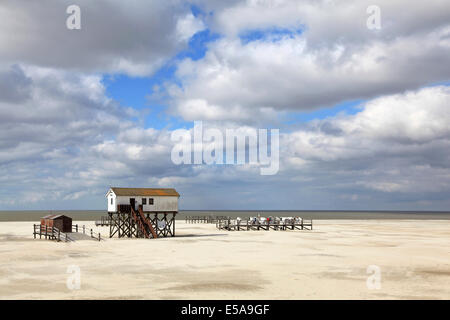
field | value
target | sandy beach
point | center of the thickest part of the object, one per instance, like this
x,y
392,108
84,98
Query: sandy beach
x,y
201,262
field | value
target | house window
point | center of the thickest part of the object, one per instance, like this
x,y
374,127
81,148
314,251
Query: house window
x,y
111,200
150,200
144,201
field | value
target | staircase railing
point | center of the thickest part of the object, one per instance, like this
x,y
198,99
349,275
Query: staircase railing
x,y
139,222
148,223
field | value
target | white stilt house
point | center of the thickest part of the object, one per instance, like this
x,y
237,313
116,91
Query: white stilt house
x,y
142,212
151,199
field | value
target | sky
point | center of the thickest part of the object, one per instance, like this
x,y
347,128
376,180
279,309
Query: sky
x,y
363,113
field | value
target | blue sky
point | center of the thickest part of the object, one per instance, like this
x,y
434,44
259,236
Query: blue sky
x,y
136,92
363,114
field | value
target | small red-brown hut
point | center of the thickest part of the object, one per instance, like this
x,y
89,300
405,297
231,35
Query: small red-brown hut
x,y
61,222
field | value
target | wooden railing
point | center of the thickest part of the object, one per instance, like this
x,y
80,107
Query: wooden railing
x,y
205,219
124,208
148,223
248,224
51,233
95,235
104,221
139,222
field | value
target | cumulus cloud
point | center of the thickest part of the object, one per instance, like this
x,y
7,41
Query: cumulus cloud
x,y
61,115
326,21
188,25
386,125
66,141
396,144
132,37
393,153
14,85
63,141
335,58
71,142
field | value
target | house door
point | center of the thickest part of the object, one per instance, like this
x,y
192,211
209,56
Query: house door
x,y
132,203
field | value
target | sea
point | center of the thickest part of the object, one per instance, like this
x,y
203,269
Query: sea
x,y
91,215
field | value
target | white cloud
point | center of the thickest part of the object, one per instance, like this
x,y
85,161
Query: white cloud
x,y
47,134
64,141
187,26
133,37
345,159
397,143
386,124
335,59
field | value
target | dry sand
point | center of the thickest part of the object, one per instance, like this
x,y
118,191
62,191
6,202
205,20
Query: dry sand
x,y
202,262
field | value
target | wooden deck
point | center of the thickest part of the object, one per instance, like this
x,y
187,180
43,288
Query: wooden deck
x,y
205,219
52,233
104,221
247,225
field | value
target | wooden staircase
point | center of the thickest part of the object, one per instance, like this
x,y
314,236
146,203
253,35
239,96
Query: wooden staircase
x,y
144,224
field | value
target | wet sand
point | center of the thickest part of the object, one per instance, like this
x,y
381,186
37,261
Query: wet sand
x,y
201,262
89,215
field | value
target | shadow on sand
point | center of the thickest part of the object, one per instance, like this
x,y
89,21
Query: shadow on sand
x,y
199,235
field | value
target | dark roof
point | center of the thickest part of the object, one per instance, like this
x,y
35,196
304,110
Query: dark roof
x,y
145,192
55,216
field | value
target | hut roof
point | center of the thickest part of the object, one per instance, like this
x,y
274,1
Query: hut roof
x,y
145,192
54,216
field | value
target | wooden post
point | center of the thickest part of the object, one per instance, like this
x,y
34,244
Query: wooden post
x,y
119,226
59,235
99,236
91,234
110,224
84,230
76,227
